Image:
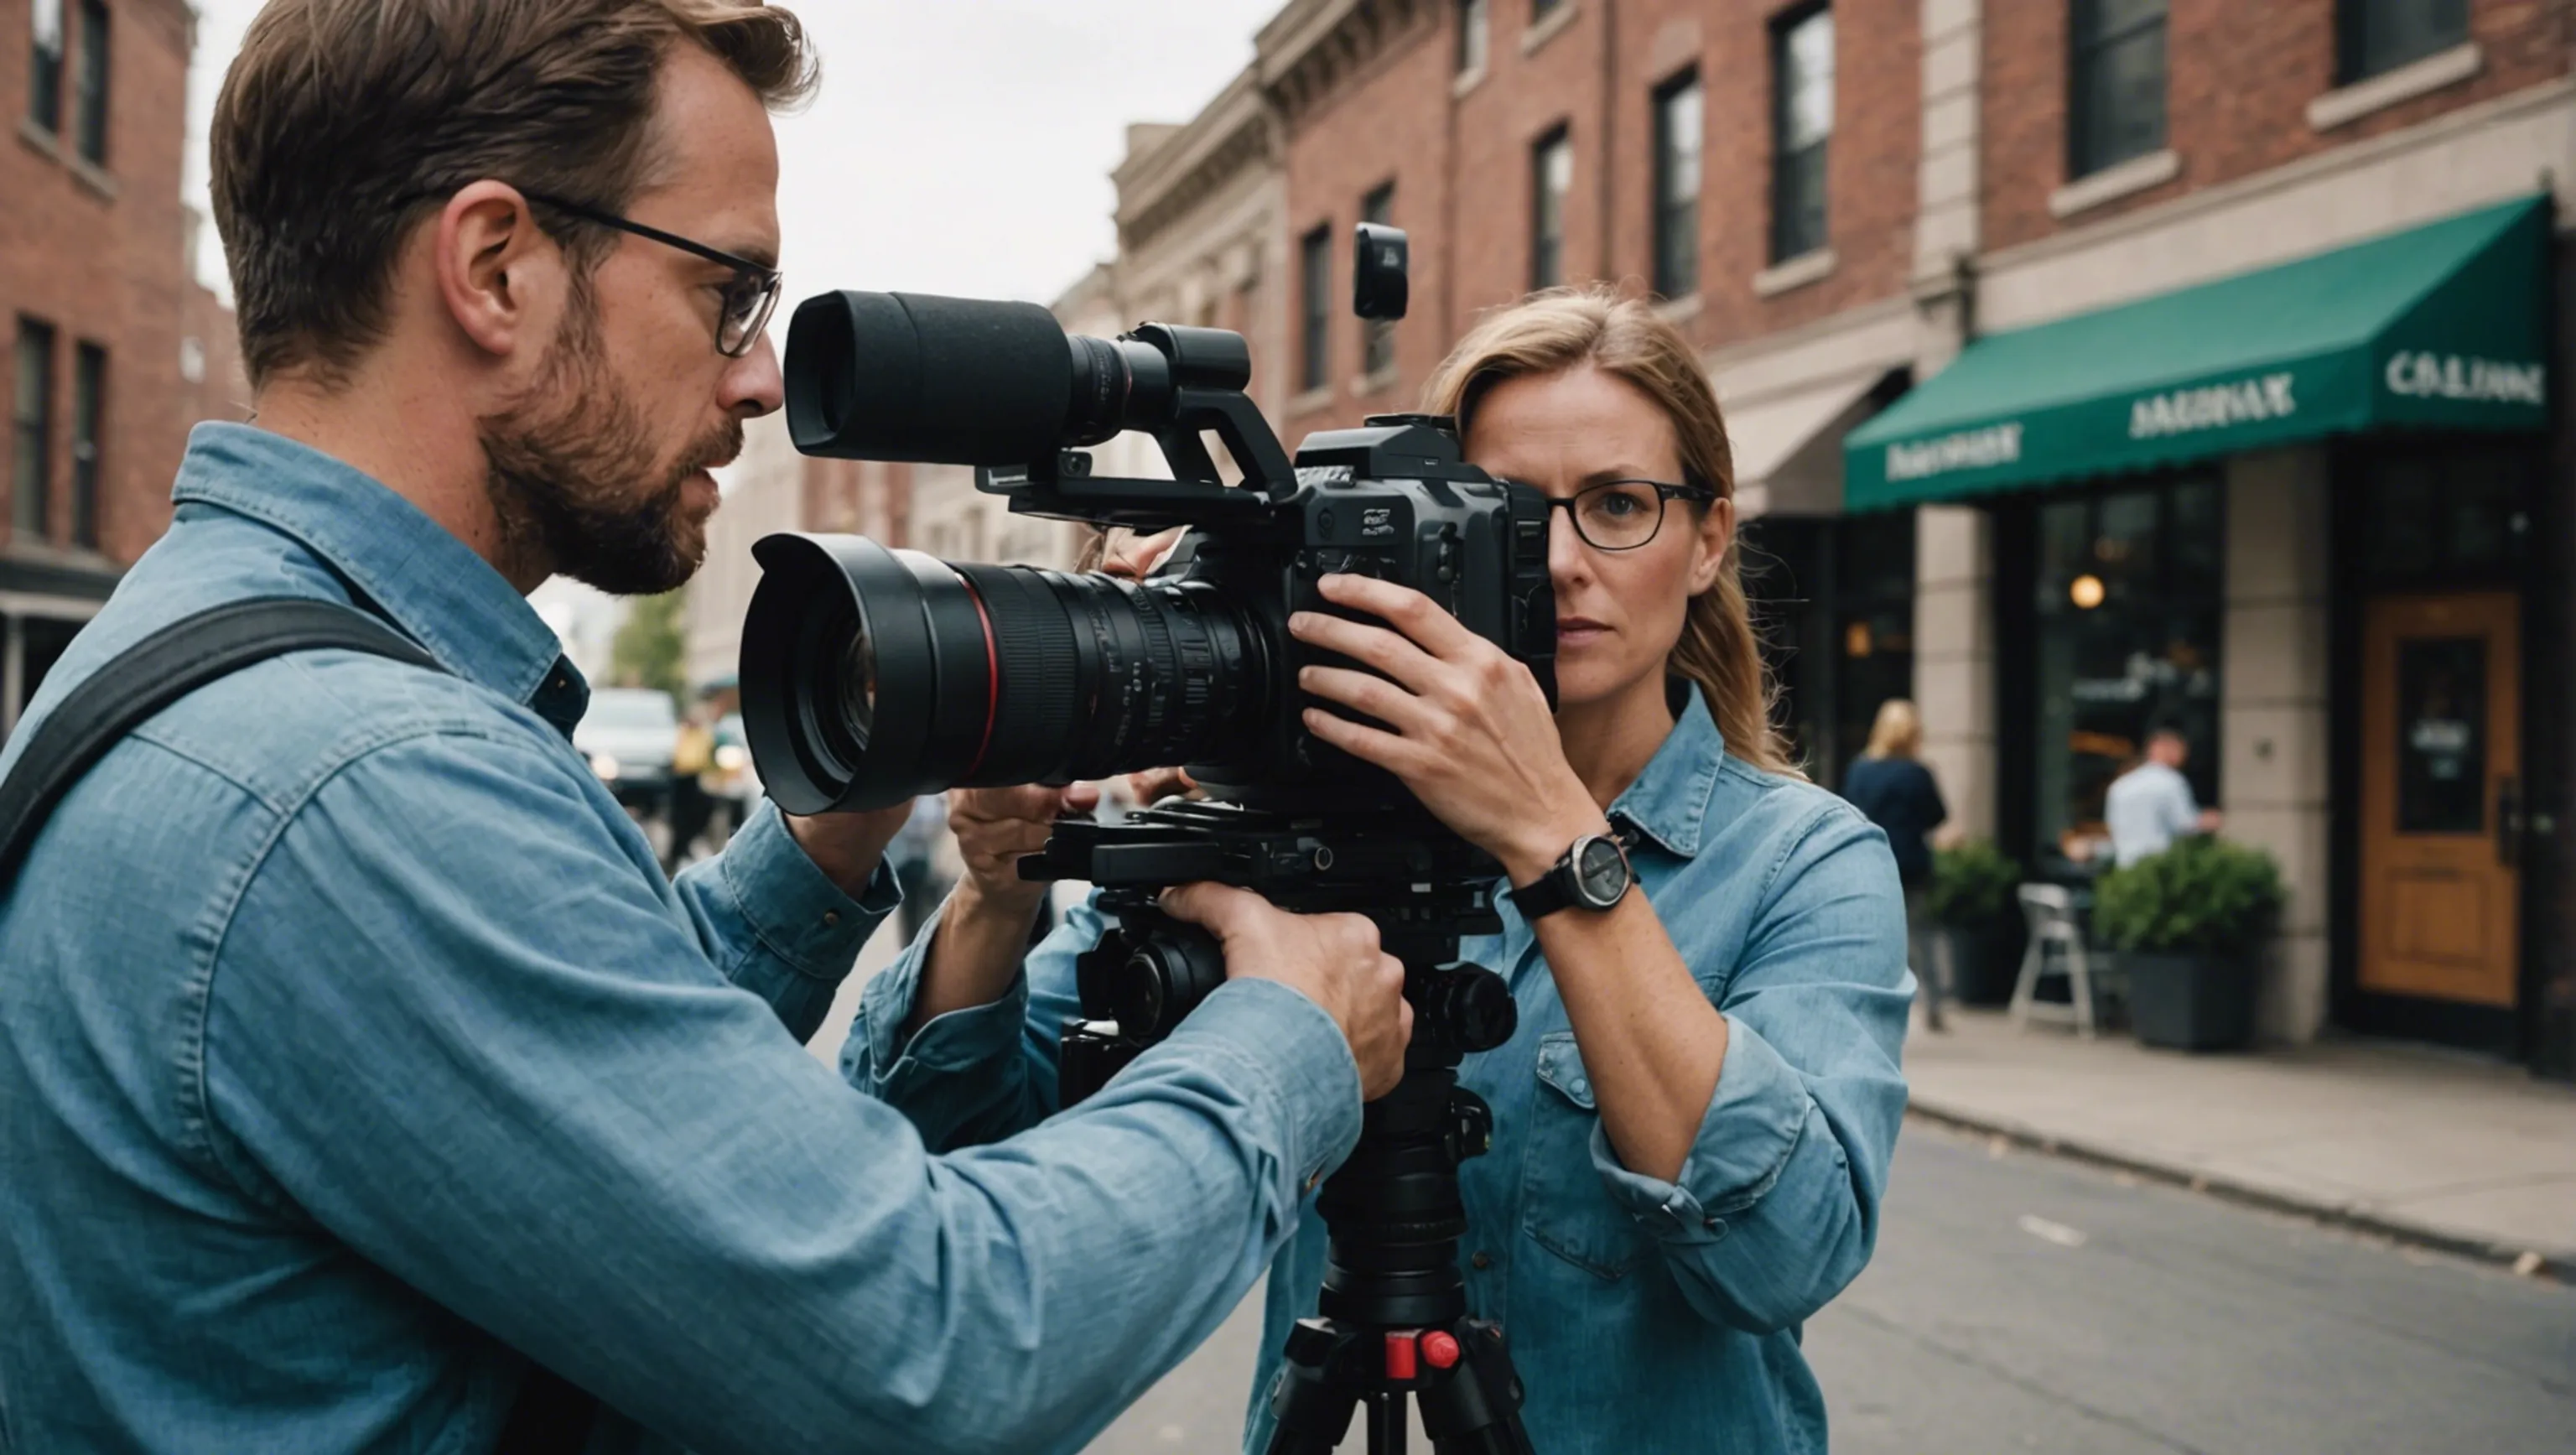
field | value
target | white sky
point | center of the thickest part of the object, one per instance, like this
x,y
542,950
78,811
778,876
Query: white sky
x,y
958,146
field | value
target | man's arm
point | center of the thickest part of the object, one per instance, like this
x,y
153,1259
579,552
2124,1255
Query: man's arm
x,y
776,923
454,1025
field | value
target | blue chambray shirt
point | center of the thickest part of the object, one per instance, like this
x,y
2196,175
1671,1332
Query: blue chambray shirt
x,y
1643,1315
351,1039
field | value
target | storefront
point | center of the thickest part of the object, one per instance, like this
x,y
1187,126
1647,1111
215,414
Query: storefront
x,y
2290,513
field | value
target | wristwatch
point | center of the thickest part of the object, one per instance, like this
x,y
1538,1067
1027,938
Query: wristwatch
x,y
1594,875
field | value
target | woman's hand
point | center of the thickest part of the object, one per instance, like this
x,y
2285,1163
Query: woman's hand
x,y
1472,735
996,827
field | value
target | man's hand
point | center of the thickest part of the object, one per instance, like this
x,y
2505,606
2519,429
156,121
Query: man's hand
x,y
1331,959
848,846
995,827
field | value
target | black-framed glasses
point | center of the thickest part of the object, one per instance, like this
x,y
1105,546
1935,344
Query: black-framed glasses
x,y
1621,515
748,299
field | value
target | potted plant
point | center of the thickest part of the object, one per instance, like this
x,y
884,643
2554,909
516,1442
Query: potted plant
x,y
1971,899
2189,925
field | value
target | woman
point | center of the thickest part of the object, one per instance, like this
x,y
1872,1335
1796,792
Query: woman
x,y
1892,789
1693,1123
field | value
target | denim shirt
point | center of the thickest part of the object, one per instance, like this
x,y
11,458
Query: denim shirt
x,y
1642,1314
354,1051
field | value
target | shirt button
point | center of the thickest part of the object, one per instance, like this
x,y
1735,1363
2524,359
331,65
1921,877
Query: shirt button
x,y
831,916
1482,1261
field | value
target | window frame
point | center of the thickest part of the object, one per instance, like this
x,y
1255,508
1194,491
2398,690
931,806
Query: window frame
x,y
1377,335
1788,242
45,67
1674,222
1547,249
2087,153
2354,21
91,78
1315,304
89,409
1474,49
31,456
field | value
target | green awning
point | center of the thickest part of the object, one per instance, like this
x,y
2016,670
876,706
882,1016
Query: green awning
x,y
2438,327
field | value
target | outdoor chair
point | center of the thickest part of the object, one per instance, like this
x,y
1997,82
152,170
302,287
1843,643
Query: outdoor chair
x,y
2057,948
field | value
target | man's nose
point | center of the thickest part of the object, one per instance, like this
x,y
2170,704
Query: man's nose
x,y
754,386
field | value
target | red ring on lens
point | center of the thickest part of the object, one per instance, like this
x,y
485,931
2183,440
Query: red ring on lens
x,y
992,674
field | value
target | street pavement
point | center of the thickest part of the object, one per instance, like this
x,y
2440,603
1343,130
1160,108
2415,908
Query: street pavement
x,y
2020,1302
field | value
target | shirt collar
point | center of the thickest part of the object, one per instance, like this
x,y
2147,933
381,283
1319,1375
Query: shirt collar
x,y
1669,801
408,567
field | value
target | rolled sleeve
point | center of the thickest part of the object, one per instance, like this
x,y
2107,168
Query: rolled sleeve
x,y
1746,1139
959,1041
776,925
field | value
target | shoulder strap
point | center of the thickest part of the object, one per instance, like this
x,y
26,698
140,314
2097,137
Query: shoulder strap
x,y
550,1414
156,672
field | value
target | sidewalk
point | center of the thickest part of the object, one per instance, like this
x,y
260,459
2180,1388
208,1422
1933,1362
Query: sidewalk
x,y
2448,1151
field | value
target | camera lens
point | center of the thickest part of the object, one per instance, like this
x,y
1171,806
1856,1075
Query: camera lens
x,y
870,676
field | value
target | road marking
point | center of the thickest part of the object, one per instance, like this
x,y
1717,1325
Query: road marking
x,y
2049,1232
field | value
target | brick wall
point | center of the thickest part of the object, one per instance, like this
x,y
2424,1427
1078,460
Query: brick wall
x,y
97,253
1460,156
2241,76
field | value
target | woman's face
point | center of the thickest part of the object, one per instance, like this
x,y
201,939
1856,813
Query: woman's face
x,y
1618,613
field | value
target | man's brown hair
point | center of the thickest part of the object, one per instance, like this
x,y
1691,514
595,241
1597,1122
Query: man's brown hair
x,y
343,123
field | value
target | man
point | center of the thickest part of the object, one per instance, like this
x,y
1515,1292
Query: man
x,y
356,1060
2151,805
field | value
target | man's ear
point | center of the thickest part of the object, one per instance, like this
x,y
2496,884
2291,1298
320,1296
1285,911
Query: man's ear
x,y
1708,548
495,268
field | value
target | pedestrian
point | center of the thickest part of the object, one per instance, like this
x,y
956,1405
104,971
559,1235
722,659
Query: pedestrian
x,y
2152,804
364,1083
693,755
1893,789
1694,1121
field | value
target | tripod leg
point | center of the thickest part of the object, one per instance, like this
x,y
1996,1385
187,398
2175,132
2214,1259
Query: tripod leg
x,y
1309,1401
1386,1422
1476,1409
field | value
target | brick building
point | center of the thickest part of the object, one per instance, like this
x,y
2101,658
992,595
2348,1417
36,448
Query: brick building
x,y
113,348
1917,241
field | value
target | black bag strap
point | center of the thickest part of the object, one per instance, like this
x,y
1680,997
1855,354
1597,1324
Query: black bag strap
x,y
551,1416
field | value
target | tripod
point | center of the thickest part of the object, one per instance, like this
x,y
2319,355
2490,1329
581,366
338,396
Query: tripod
x,y
1392,1317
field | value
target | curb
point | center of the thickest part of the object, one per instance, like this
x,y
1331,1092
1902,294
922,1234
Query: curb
x,y
2556,1265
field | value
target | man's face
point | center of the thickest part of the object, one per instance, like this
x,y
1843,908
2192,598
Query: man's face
x,y
2169,749
602,462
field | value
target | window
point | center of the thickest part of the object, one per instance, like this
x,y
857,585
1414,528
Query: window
x,y
45,73
1377,336
2381,35
2115,107
1542,9
32,412
1315,274
2129,605
1475,35
1802,73
89,388
1551,182
89,100
1678,132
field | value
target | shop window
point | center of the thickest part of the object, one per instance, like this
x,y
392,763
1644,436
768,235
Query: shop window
x,y
89,108
31,417
45,66
1377,335
2381,35
2127,616
1315,283
1802,123
1834,602
1475,35
1679,128
2442,519
1551,183
2116,83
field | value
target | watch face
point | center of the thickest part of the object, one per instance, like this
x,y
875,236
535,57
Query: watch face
x,y
1601,871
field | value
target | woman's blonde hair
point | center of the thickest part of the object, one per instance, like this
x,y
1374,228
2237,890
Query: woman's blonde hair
x,y
1549,332
1898,732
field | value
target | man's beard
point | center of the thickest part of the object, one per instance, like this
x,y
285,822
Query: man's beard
x,y
572,480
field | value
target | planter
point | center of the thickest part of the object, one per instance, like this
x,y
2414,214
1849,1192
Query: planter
x,y
2190,1002
1983,963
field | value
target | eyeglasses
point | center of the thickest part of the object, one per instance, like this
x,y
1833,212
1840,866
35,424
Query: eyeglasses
x,y
748,299
1621,515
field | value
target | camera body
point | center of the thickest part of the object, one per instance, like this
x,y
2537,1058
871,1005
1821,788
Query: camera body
x,y
1391,500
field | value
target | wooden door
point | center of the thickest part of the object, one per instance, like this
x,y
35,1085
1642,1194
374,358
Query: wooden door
x,y
2441,804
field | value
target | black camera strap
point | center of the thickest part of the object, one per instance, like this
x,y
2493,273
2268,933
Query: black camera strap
x,y
551,1415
